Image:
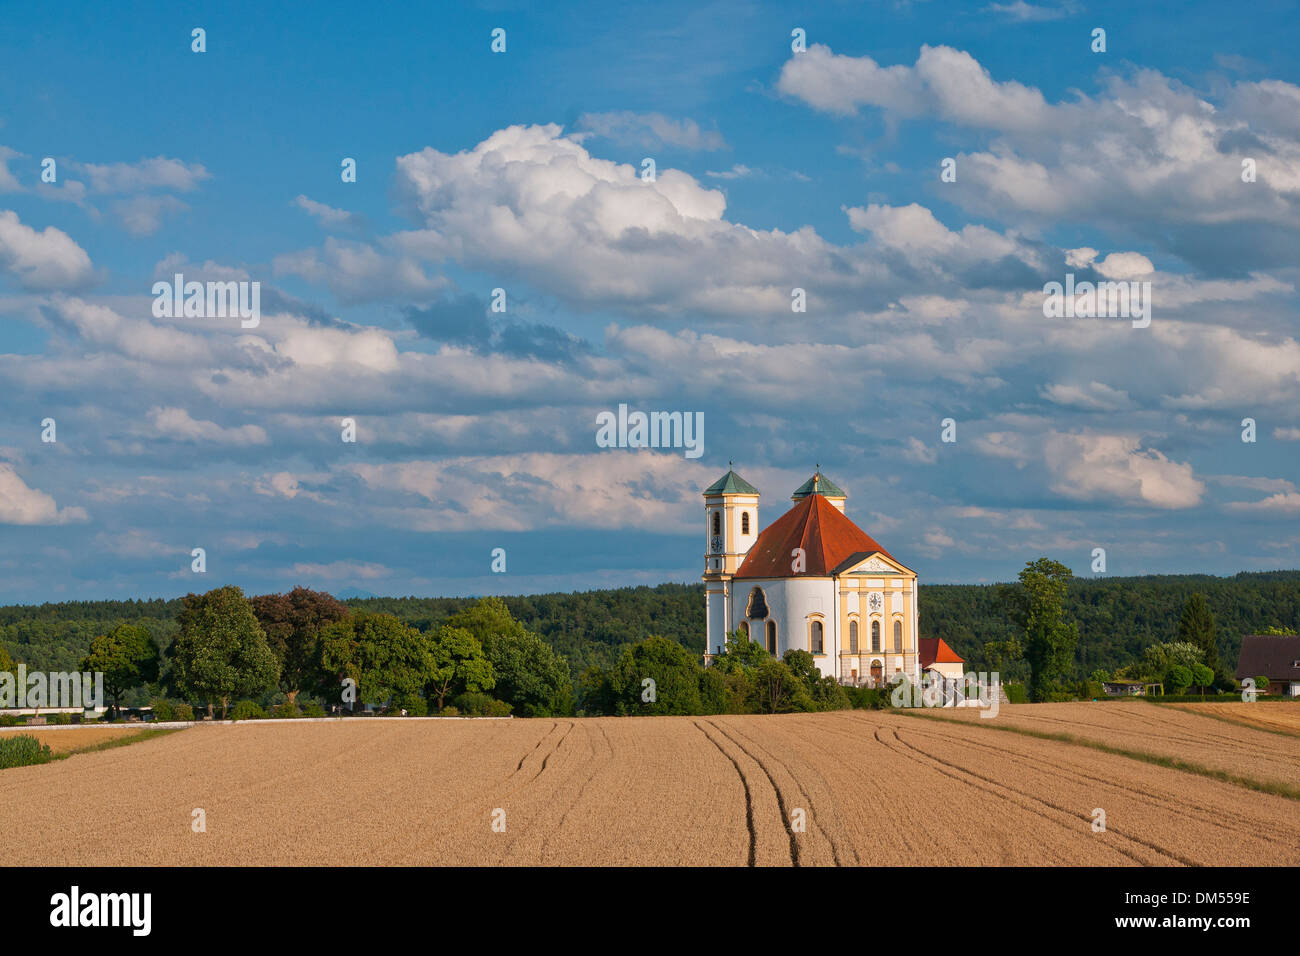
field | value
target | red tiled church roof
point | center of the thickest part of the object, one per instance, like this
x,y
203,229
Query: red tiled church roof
x,y
935,650
827,537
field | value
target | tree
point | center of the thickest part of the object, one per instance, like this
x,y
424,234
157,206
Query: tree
x,y
658,676
1037,606
779,689
292,623
1201,676
1179,678
126,656
221,651
390,661
1196,626
822,693
1159,658
459,664
529,674
740,653
7,665
1277,631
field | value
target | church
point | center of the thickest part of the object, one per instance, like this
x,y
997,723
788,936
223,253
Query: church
x,y
814,581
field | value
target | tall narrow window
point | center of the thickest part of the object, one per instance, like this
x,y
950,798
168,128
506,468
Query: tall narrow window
x,y
744,629
898,635
771,637
875,637
717,522
816,641
853,637
744,522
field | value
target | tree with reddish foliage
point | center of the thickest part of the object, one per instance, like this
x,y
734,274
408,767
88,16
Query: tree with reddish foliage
x,y
293,623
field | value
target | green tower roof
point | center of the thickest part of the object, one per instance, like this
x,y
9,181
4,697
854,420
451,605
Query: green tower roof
x,y
824,487
731,484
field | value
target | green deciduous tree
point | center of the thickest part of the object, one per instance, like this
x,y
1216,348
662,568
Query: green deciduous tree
x,y
127,656
459,664
1202,676
673,670
529,675
391,662
220,651
1037,606
740,653
292,623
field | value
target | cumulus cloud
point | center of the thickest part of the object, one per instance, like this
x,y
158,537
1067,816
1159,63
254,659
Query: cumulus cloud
x,y
41,261
1115,468
1148,154
615,489
21,504
178,425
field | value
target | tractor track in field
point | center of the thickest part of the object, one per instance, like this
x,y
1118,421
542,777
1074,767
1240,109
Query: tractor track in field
x,y
1179,804
1037,805
776,789
749,797
839,853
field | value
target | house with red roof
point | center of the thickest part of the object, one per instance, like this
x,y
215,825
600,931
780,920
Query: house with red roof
x,y
812,580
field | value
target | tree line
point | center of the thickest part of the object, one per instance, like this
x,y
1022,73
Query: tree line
x,y
1124,628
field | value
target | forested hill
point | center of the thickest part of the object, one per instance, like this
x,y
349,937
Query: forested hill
x,y
1117,617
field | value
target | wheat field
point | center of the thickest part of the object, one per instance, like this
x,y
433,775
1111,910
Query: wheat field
x,y
847,788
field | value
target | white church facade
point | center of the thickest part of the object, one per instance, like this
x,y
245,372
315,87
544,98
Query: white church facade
x,y
814,581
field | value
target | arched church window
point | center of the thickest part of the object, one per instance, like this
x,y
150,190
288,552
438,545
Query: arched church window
x,y
744,522
816,640
853,637
717,522
771,637
744,628
756,610
875,637
898,635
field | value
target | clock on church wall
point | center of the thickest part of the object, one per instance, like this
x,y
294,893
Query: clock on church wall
x,y
715,544
875,602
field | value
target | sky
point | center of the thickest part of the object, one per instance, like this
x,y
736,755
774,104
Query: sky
x,y
1171,158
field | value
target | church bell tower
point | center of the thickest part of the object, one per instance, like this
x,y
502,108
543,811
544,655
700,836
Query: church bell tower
x,y
731,528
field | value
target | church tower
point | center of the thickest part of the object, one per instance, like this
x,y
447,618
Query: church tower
x,y
730,529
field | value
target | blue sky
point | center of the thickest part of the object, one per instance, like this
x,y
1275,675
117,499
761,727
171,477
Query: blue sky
x,y
518,170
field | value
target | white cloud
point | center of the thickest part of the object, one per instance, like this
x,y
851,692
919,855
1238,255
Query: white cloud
x,y
20,504
43,260
159,172
943,82
1099,467
650,129
328,215
179,425
143,215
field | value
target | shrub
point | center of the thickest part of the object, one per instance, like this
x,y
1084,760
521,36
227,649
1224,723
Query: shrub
x,y
22,750
247,710
476,704
11,720
166,710
58,718
313,709
285,711
450,711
